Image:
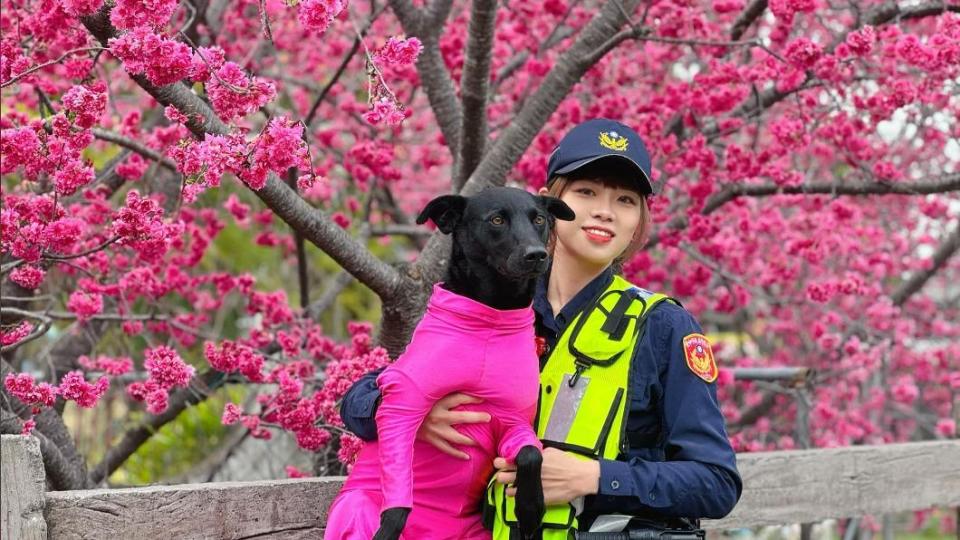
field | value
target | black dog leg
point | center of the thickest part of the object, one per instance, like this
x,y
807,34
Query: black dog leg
x,y
392,521
530,507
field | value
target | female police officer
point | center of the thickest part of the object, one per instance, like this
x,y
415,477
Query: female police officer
x,y
628,413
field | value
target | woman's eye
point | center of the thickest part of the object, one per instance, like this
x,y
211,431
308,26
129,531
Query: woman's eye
x,y
585,191
628,200
496,220
539,220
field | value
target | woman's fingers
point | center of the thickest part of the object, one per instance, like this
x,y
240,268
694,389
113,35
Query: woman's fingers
x,y
437,427
506,473
451,435
456,399
447,448
466,417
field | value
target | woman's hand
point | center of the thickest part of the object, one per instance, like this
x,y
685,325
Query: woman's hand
x,y
564,476
437,428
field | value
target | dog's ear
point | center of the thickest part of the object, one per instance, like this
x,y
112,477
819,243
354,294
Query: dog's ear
x,y
557,208
445,211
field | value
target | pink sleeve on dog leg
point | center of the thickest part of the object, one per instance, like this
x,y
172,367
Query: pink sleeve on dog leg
x,y
402,410
517,434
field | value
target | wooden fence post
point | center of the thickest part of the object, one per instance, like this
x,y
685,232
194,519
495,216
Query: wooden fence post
x,y
22,485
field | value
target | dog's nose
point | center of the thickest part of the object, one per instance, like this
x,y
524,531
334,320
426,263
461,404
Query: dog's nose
x,y
535,255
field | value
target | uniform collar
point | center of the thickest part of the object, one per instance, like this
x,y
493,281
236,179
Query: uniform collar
x,y
576,304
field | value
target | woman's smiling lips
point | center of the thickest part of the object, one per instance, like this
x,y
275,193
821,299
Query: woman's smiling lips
x,y
599,235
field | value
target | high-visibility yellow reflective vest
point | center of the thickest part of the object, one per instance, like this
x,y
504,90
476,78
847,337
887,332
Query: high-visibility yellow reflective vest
x,y
583,397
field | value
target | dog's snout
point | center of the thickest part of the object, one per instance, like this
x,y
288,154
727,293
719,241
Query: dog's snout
x,y
535,255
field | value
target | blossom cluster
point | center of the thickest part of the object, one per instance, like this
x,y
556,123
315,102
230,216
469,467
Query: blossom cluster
x,y
166,370
297,405
316,15
385,108
73,387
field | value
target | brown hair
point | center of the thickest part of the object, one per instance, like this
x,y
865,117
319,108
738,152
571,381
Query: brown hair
x,y
558,185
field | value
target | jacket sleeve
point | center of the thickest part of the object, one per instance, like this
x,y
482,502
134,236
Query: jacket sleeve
x,y
359,406
698,476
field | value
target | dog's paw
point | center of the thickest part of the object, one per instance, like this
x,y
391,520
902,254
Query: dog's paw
x,y
392,522
529,506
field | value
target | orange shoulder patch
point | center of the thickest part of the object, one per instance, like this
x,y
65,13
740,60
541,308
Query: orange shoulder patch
x,y
699,355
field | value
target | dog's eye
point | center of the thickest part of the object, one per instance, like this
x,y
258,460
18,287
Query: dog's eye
x,y
496,220
539,220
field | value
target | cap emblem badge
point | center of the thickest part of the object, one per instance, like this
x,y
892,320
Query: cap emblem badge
x,y
613,141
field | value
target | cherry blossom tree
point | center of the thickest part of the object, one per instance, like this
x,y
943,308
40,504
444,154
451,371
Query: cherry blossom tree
x,y
805,153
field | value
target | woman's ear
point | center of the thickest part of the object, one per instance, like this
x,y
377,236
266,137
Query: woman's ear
x,y
543,191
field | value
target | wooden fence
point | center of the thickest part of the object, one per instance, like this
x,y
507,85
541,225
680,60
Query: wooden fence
x,y
779,488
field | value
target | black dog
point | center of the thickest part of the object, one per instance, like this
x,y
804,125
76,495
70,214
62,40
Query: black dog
x,y
499,251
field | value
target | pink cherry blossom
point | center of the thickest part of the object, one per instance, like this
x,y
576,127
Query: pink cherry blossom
x,y
9,337
81,7
231,414
162,60
28,276
167,368
129,14
23,387
85,105
293,472
28,427
316,15
85,305
399,51
106,364
234,94
74,387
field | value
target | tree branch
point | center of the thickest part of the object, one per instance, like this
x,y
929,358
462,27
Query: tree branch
x,y
747,18
413,231
433,72
473,90
947,249
71,472
516,138
55,467
944,184
570,67
130,144
50,63
329,296
892,10
341,68
314,224
38,331
200,389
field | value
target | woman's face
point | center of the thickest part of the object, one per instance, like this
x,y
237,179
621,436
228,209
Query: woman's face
x,y
607,218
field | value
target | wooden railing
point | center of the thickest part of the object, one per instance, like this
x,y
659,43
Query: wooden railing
x,y
800,486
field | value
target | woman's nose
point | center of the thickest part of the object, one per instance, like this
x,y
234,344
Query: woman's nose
x,y
602,211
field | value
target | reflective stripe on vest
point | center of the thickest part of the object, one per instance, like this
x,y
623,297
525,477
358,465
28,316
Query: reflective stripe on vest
x,y
583,396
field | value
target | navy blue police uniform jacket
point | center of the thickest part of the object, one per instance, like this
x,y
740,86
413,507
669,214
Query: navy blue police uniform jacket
x,y
679,462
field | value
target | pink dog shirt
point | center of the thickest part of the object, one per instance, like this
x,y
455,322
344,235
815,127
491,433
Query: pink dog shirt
x,y
460,345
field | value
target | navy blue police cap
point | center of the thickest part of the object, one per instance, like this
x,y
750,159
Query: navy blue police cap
x,y
602,139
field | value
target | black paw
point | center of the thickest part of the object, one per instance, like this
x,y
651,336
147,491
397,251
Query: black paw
x,y
529,506
392,521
